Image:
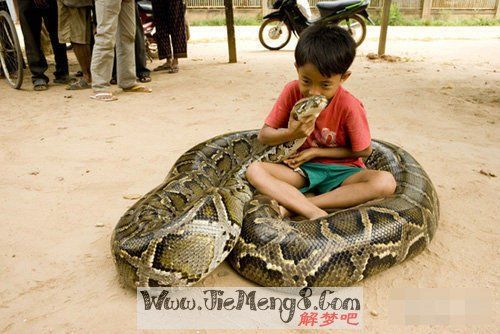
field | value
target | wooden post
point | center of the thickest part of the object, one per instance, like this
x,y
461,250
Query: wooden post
x,y
426,9
383,27
497,9
264,8
231,41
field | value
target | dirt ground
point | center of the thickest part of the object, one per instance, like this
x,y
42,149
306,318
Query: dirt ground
x,y
67,162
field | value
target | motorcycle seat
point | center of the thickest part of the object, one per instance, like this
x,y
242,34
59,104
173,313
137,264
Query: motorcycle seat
x,y
335,6
145,6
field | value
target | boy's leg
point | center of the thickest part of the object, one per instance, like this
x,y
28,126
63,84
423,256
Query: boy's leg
x,y
84,57
282,183
357,189
80,37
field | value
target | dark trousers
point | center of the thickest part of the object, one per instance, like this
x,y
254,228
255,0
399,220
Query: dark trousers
x,y
169,17
140,49
140,46
30,18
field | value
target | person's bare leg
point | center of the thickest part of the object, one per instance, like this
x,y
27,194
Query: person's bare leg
x,y
174,66
282,183
84,57
359,188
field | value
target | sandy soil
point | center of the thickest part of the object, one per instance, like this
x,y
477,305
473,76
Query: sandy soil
x,y
67,162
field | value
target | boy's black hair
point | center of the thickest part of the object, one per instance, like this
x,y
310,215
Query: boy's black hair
x,y
328,47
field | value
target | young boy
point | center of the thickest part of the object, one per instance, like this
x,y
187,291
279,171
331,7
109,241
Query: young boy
x,y
330,162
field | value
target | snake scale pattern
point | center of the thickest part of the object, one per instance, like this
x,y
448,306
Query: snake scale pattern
x,y
205,212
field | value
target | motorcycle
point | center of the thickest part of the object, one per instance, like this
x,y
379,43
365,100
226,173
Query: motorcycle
x,y
146,13
148,25
276,30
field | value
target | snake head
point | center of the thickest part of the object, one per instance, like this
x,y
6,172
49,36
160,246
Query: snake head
x,y
309,106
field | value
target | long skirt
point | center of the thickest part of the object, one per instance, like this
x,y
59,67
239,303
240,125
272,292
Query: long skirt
x,y
170,28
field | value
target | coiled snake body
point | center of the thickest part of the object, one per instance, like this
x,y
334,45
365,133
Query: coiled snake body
x,y
183,229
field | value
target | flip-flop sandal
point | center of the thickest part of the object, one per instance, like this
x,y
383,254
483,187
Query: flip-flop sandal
x,y
164,67
144,78
79,85
104,96
173,69
40,85
138,89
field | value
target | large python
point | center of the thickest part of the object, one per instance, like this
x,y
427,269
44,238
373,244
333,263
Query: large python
x,y
183,229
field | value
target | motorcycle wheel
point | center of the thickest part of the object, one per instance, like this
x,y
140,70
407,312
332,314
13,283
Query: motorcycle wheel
x,y
151,49
274,34
356,27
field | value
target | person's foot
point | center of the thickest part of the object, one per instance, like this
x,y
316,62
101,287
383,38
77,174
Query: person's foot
x,y
112,81
79,85
319,214
138,89
173,69
174,66
144,77
103,96
64,80
164,67
284,212
40,85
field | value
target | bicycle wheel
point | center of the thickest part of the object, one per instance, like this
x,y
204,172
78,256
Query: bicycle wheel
x,y
11,57
356,27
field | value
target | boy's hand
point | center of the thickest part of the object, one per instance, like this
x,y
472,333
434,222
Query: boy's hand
x,y
297,159
300,129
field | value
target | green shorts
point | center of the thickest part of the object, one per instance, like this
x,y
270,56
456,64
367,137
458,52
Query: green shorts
x,y
322,178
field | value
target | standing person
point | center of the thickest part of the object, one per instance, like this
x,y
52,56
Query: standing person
x,y
115,26
142,72
31,13
75,27
170,24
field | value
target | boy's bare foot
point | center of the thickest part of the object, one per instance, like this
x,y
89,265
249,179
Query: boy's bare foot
x,y
320,214
284,212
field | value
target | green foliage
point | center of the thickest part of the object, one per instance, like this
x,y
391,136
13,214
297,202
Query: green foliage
x,y
396,18
395,15
221,21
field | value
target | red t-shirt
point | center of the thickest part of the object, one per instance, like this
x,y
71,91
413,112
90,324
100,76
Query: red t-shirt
x,y
342,123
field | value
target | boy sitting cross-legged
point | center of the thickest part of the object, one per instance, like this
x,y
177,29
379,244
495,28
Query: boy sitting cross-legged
x,y
329,163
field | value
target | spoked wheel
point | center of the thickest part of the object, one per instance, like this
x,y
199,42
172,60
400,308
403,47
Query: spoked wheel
x,y
274,34
11,57
356,27
151,49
